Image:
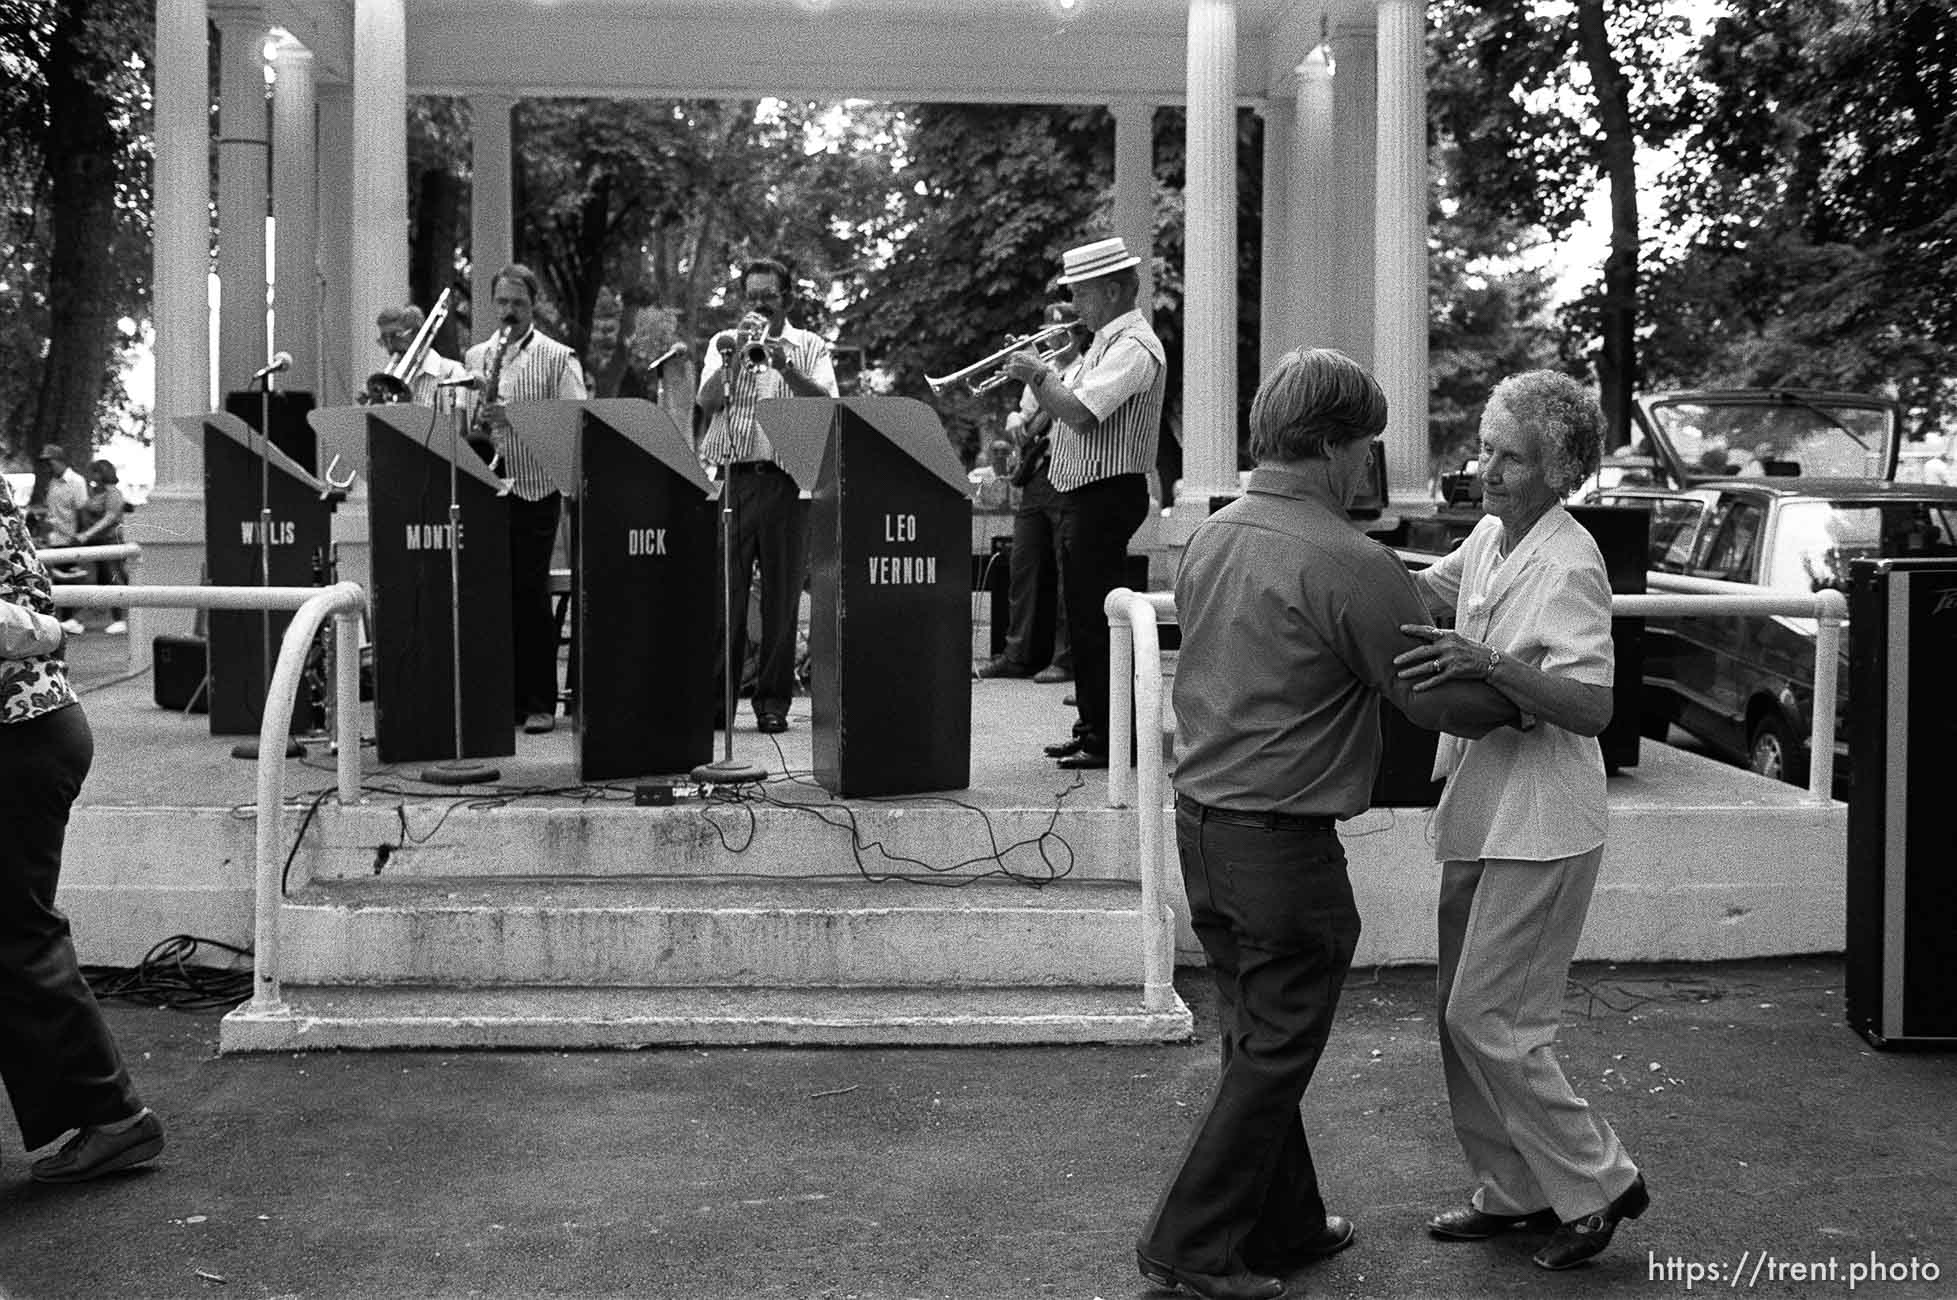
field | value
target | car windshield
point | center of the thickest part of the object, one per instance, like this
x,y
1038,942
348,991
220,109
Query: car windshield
x,y
1810,437
1814,541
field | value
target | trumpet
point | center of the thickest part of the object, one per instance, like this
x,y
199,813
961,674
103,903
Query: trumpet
x,y
391,385
753,345
1049,343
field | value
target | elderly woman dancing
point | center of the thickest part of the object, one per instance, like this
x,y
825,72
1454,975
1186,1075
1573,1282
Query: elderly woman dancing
x,y
60,1064
1520,828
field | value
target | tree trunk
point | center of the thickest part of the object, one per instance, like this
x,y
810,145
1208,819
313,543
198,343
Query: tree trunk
x,y
80,160
1617,371
432,243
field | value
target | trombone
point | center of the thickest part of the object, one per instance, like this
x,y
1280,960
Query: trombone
x,y
1049,343
392,384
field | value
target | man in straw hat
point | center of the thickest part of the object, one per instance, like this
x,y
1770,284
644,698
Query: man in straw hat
x,y
1105,425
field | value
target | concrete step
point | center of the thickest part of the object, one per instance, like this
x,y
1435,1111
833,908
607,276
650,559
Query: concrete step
x,y
623,931
315,1018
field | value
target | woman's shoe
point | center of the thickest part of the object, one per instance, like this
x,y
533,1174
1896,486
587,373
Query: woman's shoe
x,y
1471,1224
1583,1238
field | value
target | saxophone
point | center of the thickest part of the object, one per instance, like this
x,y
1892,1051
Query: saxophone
x,y
479,435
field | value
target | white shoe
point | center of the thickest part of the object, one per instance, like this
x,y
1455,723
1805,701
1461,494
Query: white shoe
x,y
72,626
117,628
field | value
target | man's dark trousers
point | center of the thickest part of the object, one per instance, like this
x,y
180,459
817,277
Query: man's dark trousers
x,y
771,527
1098,519
533,628
1035,562
1273,908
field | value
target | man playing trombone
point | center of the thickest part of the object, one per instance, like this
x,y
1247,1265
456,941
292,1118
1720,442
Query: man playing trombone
x,y
1105,425
764,357
400,333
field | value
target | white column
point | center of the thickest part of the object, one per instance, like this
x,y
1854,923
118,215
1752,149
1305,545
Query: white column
x,y
170,528
341,371
1209,272
1355,109
1313,214
379,271
1400,257
295,198
180,247
243,186
1134,188
491,241
1277,330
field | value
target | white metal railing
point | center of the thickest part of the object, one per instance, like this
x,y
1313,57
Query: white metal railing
x,y
53,555
344,603
1135,681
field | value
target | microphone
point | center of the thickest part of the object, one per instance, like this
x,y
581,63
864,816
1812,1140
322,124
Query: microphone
x,y
677,351
467,381
280,361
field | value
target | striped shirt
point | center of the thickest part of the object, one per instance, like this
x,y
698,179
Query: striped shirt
x,y
425,388
535,369
1122,379
734,434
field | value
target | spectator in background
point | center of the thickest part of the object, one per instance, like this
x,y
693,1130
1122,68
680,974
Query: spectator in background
x,y
101,525
610,368
67,493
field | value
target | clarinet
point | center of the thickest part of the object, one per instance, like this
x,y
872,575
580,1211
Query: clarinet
x,y
479,435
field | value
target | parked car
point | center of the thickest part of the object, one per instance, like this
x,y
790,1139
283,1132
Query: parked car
x,y
1744,684
1684,438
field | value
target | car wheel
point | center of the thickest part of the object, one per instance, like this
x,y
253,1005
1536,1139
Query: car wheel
x,y
1773,752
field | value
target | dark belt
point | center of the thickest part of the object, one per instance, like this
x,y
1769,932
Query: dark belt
x,y
1270,821
749,466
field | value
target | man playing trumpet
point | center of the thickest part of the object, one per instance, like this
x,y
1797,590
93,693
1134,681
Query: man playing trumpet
x,y
1105,425
764,356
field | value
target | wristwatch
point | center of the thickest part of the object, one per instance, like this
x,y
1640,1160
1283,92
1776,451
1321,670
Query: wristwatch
x,y
1494,662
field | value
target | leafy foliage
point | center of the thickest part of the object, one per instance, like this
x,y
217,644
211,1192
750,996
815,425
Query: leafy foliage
x,y
1819,191
74,239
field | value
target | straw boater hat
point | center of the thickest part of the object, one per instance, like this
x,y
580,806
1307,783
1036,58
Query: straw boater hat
x,y
1091,261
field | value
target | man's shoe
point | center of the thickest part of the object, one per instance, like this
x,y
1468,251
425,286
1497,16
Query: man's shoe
x,y
1083,760
1071,745
94,1151
117,628
1471,1224
539,724
73,626
1001,667
1580,1239
1050,674
770,723
1333,1237
1211,1286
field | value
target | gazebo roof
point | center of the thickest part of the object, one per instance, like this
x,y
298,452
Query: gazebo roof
x,y
1097,51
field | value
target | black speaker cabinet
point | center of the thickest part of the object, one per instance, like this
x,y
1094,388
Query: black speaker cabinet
x,y
1902,843
180,669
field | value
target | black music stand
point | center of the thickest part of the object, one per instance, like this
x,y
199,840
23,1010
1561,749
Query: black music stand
x,y
463,559
285,527
889,549
644,576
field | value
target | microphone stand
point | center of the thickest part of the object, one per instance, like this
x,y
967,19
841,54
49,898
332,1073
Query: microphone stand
x,y
457,770
728,771
249,748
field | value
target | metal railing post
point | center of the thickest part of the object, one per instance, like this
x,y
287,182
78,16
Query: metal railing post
x,y
1830,616
1121,696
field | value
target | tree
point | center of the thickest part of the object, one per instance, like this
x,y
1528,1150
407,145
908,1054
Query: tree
x,y
1819,190
1536,104
74,107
